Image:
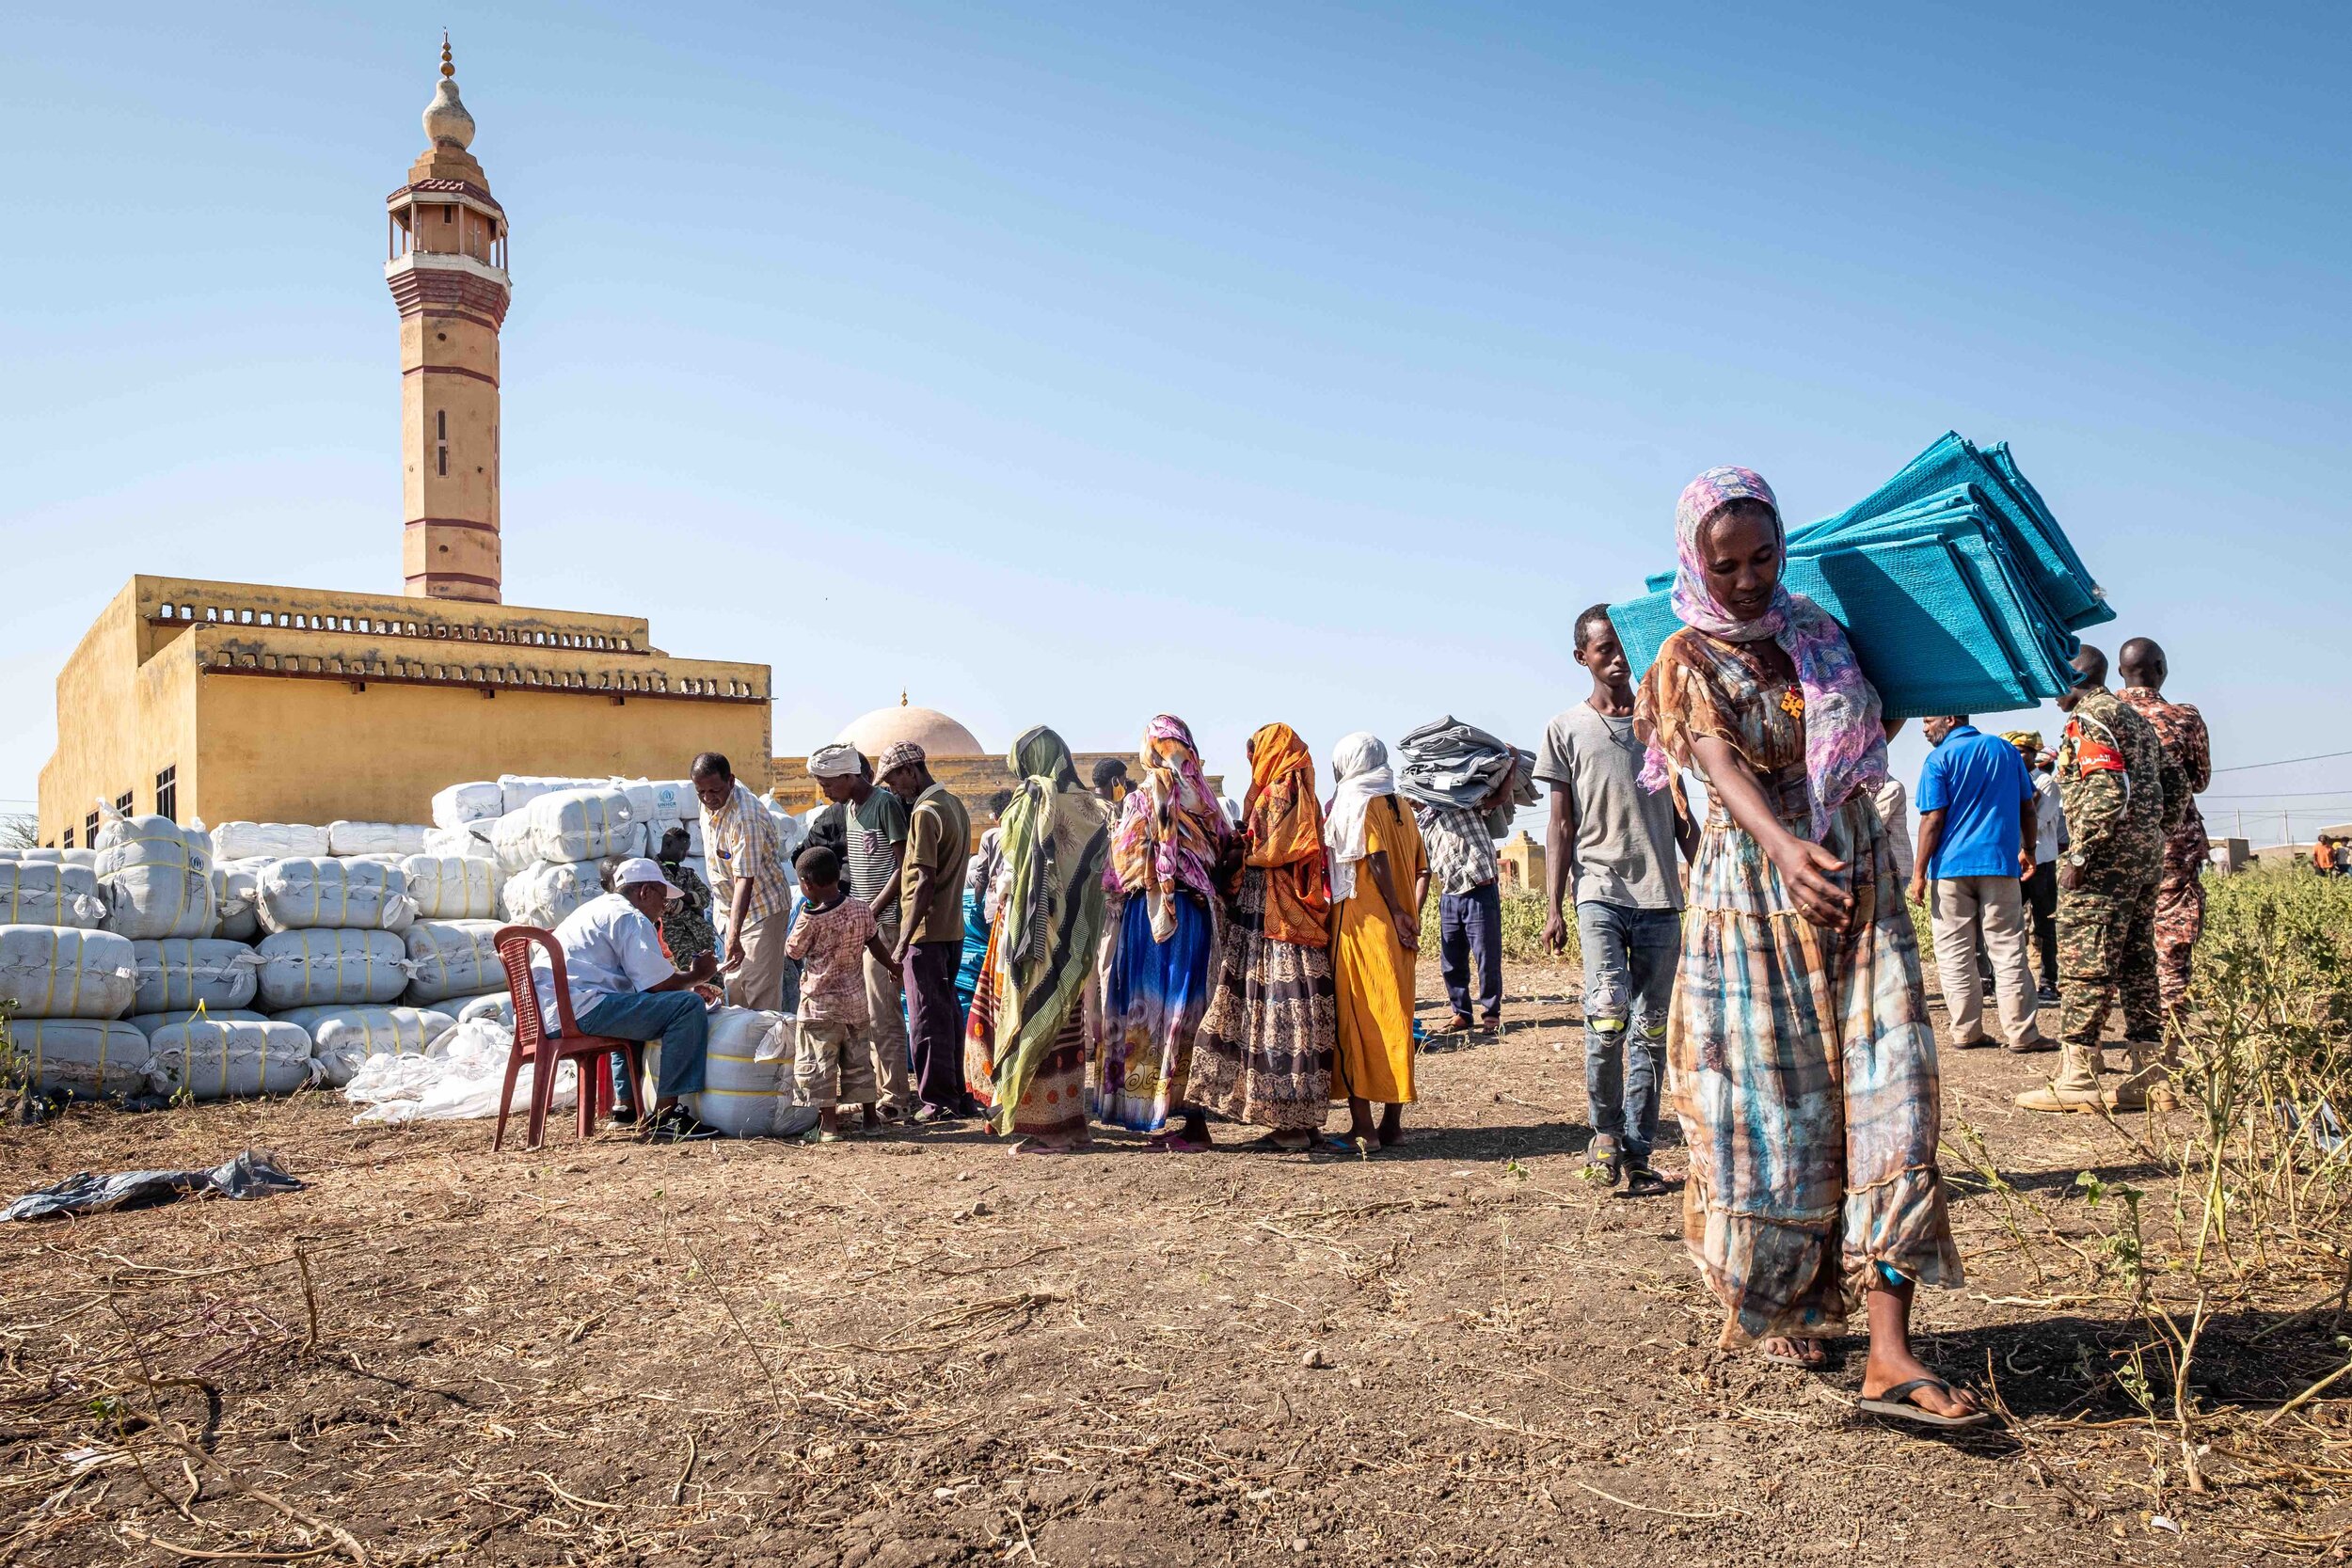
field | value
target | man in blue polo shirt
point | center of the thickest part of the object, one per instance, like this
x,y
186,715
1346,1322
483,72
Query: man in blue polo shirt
x,y
1975,835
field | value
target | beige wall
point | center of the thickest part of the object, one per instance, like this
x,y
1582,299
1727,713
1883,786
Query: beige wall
x,y
285,749
120,722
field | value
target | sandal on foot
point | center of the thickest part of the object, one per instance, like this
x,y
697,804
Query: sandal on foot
x,y
1641,1181
1801,1362
1896,1401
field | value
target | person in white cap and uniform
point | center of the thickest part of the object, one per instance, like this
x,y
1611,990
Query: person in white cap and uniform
x,y
624,987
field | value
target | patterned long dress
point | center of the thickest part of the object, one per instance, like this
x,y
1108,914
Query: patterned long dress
x,y
1802,1058
1154,994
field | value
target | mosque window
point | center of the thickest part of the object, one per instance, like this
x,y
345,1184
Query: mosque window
x,y
89,830
69,838
167,792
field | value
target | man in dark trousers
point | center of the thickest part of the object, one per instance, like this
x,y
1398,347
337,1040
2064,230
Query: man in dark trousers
x,y
930,929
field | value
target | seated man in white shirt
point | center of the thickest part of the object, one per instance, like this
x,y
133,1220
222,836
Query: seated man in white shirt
x,y
626,988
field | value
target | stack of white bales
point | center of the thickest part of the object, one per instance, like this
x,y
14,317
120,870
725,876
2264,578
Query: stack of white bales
x,y
456,963
67,982
462,817
551,850
334,963
240,852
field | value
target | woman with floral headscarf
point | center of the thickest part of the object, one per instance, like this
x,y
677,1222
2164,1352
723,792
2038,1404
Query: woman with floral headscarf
x,y
1264,1053
1025,1041
1804,1060
1162,919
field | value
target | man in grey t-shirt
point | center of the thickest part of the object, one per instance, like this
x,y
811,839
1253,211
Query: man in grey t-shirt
x,y
1617,842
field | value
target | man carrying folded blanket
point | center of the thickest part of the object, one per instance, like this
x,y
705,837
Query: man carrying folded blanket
x,y
2110,772
1464,786
2189,770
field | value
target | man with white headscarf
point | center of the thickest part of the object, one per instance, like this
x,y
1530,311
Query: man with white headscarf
x,y
875,829
1377,860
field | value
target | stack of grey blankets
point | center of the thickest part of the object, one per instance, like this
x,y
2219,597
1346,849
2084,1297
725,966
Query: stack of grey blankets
x,y
1448,762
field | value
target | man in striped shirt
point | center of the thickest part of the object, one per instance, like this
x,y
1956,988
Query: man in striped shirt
x,y
745,857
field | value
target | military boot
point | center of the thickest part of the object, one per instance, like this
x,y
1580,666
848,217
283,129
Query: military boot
x,y
2149,1084
2075,1088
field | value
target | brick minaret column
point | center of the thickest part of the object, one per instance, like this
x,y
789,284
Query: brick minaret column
x,y
448,275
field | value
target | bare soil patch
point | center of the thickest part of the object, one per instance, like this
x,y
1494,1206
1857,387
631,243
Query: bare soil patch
x,y
915,1349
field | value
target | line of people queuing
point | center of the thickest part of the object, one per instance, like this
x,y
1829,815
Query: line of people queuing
x,y
1148,959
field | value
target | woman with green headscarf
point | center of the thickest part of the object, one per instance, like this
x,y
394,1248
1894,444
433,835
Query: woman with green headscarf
x,y
1025,1044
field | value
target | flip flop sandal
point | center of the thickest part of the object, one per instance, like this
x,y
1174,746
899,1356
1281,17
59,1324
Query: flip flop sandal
x,y
1897,1403
1802,1364
1365,1148
1269,1144
1644,1183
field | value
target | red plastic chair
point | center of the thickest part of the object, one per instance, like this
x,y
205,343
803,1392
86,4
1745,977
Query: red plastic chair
x,y
546,1052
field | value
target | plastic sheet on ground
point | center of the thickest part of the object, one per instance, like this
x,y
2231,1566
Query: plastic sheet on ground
x,y
457,1080
256,1173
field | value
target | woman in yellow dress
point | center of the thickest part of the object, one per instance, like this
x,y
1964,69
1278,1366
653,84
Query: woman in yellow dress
x,y
1376,859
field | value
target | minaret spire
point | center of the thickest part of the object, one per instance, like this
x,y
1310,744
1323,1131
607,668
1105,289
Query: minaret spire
x,y
448,276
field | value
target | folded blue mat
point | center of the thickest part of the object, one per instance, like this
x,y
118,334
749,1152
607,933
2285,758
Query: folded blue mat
x,y
1960,591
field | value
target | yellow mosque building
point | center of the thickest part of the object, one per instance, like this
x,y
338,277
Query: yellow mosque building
x,y
228,700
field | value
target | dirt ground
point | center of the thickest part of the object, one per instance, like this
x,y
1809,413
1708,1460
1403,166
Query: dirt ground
x,y
915,1349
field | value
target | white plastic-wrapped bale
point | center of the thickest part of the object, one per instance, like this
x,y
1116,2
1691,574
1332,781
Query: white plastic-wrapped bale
x,y
157,876
311,893
64,972
212,1059
741,1093
310,968
544,895
510,841
452,958
274,841
177,972
583,825
460,803
377,838
342,1037
517,790
146,1023
472,841
452,887
43,893
497,1005
237,899
86,1058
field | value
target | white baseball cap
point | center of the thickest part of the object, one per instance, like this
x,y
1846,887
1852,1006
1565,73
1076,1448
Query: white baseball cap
x,y
637,869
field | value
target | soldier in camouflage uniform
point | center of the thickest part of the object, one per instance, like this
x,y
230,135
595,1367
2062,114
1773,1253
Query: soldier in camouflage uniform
x,y
2188,771
2110,773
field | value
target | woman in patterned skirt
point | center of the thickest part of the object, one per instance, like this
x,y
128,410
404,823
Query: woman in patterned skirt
x,y
1162,933
1804,1060
1264,1053
1025,1042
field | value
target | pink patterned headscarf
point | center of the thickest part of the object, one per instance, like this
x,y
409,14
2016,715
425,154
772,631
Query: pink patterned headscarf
x,y
1167,837
1845,740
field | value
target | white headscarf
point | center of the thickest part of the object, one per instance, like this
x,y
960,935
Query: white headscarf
x,y
837,761
1361,763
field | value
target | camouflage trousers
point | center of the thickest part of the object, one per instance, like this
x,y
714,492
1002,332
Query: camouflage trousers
x,y
2106,936
2180,919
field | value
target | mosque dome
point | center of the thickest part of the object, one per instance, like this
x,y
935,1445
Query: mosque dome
x,y
938,734
446,121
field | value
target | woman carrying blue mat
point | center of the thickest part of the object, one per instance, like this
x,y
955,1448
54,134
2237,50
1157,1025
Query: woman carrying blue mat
x,y
1804,1060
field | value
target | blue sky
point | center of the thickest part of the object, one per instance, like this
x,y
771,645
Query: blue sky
x,y
1068,363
